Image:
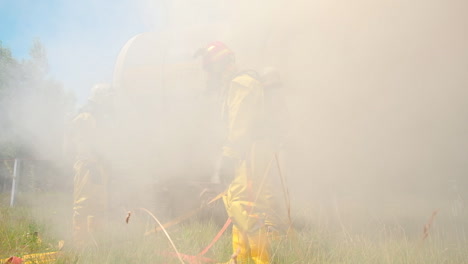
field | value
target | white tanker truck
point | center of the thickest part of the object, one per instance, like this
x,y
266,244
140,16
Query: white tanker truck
x,y
167,126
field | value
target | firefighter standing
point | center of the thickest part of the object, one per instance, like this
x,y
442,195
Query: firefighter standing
x,y
247,153
90,195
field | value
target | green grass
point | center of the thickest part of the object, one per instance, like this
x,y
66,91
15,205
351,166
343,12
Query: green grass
x,y
20,235
125,243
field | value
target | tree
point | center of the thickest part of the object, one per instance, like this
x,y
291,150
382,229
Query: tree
x,y
33,107
9,72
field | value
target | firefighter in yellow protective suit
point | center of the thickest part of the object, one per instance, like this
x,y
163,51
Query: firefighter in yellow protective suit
x,y
247,153
90,195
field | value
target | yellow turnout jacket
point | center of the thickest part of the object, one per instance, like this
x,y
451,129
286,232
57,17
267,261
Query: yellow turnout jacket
x,y
248,199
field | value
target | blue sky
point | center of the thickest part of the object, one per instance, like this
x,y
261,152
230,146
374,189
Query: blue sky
x,y
82,38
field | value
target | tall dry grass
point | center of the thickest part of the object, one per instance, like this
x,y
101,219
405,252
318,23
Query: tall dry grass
x,y
315,241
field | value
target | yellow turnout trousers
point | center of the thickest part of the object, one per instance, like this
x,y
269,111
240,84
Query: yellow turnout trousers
x,y
252,246
249,203
90,200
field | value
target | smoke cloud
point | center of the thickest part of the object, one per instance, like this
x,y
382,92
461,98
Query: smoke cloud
x,y
376,92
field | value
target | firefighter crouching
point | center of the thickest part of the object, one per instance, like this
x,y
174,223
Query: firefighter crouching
x,y
247,153
90,195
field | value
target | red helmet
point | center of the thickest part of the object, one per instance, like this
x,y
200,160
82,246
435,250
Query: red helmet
x,y
216,56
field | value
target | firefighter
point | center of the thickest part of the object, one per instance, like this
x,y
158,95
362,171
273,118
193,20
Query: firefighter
x,y
247,153
90,195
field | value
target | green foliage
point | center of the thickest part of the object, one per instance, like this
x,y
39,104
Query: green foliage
x,y
7,65
33,107
20,235
9,72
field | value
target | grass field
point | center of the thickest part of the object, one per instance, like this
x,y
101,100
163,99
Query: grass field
x,y
34,229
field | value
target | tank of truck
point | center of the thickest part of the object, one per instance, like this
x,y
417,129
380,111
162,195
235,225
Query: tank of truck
x,y
167,125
